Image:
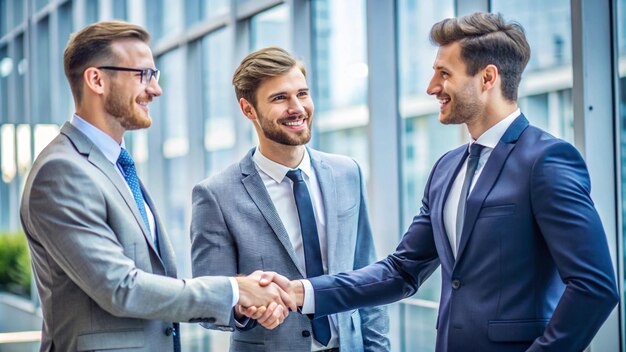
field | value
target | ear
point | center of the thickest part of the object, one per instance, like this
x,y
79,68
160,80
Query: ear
x,y
93,80
247,109
489,77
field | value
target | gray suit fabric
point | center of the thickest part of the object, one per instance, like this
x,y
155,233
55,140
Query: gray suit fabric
x,y
101,283
235,229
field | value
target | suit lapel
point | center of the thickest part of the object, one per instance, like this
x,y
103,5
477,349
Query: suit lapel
x,y
167,256
458,156
95,157
253,184
326,182
488,178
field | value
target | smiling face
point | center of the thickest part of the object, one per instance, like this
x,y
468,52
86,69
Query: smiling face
x,y
283,111
459,94
128,97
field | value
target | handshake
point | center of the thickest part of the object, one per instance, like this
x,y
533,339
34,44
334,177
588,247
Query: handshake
x,y
267,297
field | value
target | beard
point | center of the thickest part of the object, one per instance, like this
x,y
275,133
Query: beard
x,y
273,131
464,108
125,111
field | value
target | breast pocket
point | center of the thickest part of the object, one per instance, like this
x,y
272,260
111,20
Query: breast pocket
x,y
497,210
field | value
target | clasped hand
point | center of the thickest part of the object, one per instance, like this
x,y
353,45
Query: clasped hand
x,y
266,297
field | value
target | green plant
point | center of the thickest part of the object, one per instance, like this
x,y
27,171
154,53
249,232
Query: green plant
x,y
15,269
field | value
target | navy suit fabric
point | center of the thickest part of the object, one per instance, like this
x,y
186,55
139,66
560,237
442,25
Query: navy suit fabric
x,y
533,270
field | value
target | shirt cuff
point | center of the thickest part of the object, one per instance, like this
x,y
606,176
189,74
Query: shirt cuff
x,y
242,323
235,287
308,306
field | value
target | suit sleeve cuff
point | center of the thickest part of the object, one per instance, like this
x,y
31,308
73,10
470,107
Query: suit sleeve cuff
x,y
235,287
308,306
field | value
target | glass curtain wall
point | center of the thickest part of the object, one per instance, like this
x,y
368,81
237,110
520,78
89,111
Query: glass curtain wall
x,y
620,27
424,140
339,78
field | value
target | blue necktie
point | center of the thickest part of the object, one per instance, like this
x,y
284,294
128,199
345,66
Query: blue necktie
x,y
472,164
311,244
130,174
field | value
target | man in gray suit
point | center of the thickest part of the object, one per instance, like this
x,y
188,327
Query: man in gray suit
x,y
289,209
103,263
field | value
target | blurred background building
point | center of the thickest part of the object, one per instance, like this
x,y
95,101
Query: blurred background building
x,y
369,64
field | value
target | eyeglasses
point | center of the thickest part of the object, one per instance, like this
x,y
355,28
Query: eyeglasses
x,y
146,73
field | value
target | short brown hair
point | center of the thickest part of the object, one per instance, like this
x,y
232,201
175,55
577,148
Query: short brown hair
x,y
486,38
92,46
260,65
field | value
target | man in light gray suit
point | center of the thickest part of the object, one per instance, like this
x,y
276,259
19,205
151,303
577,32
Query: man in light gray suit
x,y
289,209
103,263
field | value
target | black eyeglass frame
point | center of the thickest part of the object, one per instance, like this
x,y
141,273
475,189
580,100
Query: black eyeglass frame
x,y
148,73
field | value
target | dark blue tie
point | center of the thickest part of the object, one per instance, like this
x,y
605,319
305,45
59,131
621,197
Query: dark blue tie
x,y
311,244
130,174
472,164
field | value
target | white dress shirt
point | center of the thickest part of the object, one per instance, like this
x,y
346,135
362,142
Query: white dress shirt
x,y
489,139
111,150
280,190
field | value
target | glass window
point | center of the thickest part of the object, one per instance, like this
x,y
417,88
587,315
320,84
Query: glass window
x,y
545,90
4,17
270,28
41,3
21,66
120,9
41,77
18,11
339,78
198,10
424,140
9,166
215,8
66,104
172,106
621,44
6,67
91,11
219,98
173,119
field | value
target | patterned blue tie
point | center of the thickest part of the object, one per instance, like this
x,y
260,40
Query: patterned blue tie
x,y
311,244
130,174
472,164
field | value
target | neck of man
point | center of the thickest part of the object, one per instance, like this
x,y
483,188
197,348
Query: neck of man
x,y
490,117
287,155
102,121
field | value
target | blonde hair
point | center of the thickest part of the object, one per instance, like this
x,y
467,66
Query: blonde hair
x,y
260,65
91,46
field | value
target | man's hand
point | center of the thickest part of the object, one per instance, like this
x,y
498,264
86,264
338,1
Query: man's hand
x,y
267,303
294,288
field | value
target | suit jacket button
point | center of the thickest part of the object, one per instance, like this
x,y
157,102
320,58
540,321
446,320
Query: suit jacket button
x,y
456,284
306,333
168,331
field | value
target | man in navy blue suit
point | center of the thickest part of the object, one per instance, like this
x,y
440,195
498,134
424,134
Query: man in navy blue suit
x,y
509,217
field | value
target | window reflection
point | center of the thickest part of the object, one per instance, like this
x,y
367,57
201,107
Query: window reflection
x,y
42,87
340,73
621,44
270,28
424,140
219,133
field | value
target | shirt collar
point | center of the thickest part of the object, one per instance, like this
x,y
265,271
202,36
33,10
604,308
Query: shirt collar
x,y
107,145
278,171
492,136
